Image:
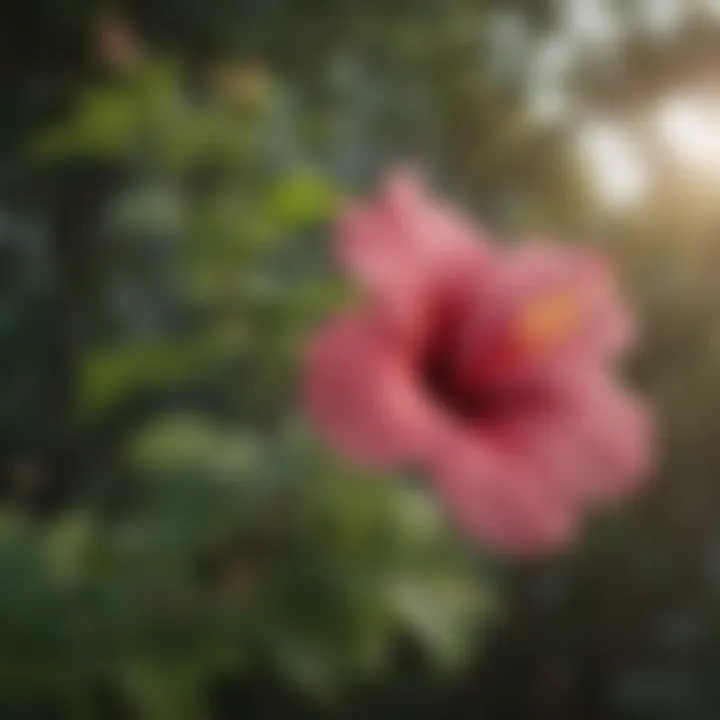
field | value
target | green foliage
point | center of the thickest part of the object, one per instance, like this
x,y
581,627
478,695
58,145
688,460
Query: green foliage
x,y
234,546
146,118
109,375
239,550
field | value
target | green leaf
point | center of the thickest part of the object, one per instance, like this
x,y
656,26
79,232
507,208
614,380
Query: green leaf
x,y
161,691
192,444
110,375
300,199
68,544
439,611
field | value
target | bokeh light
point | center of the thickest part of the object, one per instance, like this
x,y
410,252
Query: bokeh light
x,y
689,128
612,161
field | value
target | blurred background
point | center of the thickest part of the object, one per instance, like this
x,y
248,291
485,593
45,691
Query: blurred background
x,y
174,543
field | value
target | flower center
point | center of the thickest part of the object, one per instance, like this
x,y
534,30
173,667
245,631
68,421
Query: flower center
x,y
480,386
546,321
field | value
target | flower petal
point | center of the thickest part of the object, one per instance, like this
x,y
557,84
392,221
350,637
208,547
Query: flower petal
x,y
593,443
496,498
401,246
605,328
616,433
362,394
525,482
545,309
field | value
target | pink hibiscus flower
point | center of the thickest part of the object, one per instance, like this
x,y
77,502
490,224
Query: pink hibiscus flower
x,y
486,367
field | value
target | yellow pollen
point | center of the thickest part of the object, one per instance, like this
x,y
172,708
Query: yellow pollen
x,y
546,321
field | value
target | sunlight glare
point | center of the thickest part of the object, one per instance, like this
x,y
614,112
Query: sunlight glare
x,y
690,129
713,6
591,21
662,17
613,163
